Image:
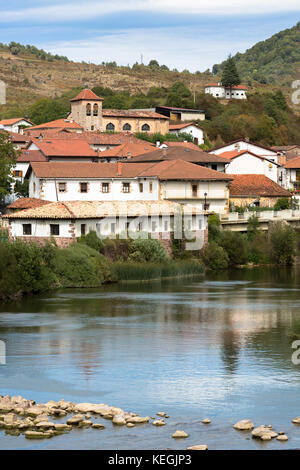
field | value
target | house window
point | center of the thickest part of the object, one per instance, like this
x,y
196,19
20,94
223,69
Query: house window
x,y
150,187
214,166
141,187
83,229
18,173
113,228
62,187
127,127
194,190
88,109
166,226
153,226
105,187
92,128
145,128
126,187
54,229
140,226
200,224
83,187
110,127
34,187
26,229
95,110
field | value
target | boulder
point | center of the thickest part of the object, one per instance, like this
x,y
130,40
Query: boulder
x,y
138,419
98,426
282,438
159,422
62,427
244,425
179,434
75,420
161,413
119,420
38,434
45,425
130,425
263,432
296,420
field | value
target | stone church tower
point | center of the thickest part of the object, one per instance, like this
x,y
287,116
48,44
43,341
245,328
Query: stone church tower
x,y
86,110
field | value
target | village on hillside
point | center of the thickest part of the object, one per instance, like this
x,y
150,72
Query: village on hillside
x,y
72,168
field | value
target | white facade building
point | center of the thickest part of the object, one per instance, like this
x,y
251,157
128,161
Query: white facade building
x,y
217,90
188,128
15,124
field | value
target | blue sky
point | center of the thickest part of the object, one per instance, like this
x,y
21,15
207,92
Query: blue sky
x,y
192,34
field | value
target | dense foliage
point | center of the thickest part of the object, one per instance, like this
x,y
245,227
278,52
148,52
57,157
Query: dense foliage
x,y
18,49
8,157
274,61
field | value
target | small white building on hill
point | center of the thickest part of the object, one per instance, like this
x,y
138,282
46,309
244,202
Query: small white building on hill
x,y
217,90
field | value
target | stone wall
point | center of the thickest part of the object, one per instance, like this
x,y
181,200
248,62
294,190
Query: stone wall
x,y
246,201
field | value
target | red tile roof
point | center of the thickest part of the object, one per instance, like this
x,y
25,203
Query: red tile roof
x,y
8,122
65,148
179,153
27,156
27,203
127,113
242,140
87,95
237,153
127,150
256,185
173,170
57,124
293,163
174,127
188,145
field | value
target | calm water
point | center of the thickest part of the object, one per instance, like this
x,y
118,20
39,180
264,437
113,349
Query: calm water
x,y
218,347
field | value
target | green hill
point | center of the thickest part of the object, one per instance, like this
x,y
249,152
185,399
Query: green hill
x,y
274,61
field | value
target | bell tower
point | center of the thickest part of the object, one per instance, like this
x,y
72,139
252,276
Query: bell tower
x,y
86,110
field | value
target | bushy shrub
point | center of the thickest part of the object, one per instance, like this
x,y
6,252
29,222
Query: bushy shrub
x,y
282,204
235,246
258,249
214,256
92,240
81,266
131,271
282,243
252,227
143,250
214,229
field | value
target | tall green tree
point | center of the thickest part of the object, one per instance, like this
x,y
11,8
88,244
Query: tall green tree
x,y
230,75
8,157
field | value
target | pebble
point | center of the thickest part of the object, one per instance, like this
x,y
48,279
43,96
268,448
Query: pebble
x,y
206,421
282,438
98,426
159,422
161,413
198,447
244,425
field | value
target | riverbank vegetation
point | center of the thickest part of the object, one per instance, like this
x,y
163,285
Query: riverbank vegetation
x,y
278,245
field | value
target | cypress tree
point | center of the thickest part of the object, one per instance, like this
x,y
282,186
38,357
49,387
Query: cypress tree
x,y
230,75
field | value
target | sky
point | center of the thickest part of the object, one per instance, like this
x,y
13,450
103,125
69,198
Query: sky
x,y
186,34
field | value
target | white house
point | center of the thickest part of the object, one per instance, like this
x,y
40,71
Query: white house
x,y
175,180
244,144
292,169
65,222
217,90
188,128
246,162
15,124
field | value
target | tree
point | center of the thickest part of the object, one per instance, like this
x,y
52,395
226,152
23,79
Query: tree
x,y
22,188
230,75
8,157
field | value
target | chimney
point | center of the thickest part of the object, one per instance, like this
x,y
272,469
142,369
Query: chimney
x,y
157,143
119,168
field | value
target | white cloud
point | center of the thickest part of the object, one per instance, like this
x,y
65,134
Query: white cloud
x,y
71,11
177,48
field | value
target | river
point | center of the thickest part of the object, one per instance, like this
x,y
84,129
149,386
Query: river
x,y
217,347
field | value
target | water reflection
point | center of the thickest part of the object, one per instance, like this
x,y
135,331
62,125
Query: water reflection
x,y
220,345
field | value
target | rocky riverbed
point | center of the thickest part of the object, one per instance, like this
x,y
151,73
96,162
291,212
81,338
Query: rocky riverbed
x,y
19,415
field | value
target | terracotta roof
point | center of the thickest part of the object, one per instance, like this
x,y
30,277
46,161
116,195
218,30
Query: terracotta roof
x,y
127,150
237,153
17,138
174,127
293,163
99,209
181,109
179,153
255,185
234,87
7,122
31,156
27,203
132,114
87,94
174,170
57,124
65,148
188,145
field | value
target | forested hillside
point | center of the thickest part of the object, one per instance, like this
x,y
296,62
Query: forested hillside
x,y
274,61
